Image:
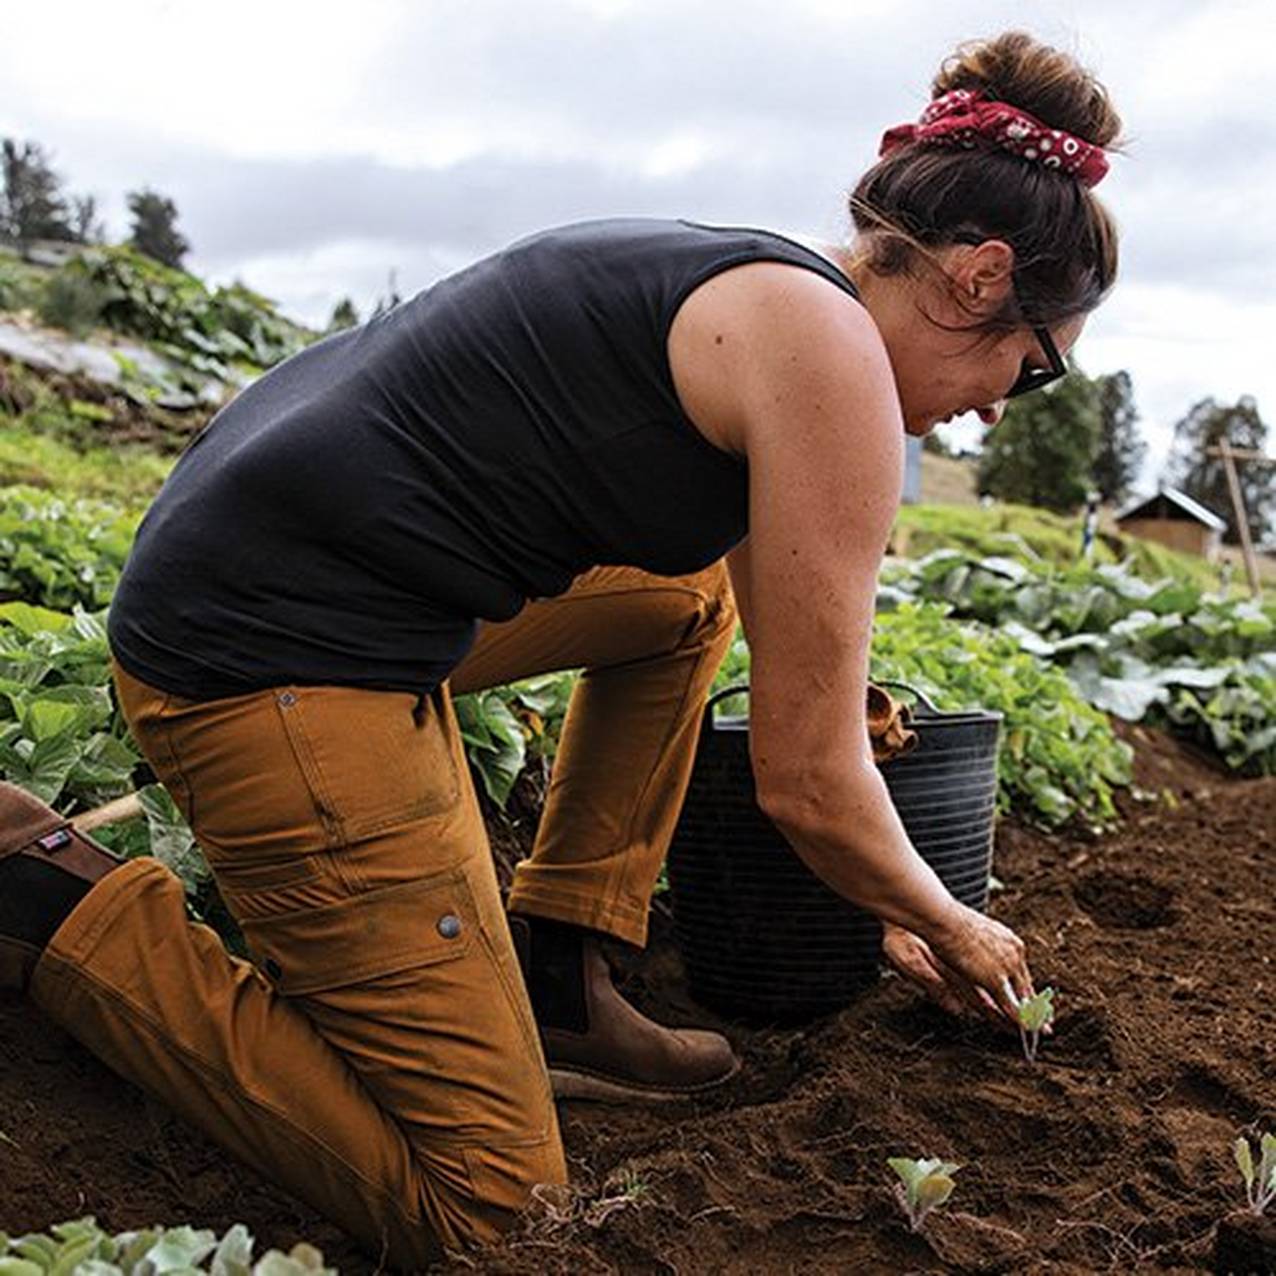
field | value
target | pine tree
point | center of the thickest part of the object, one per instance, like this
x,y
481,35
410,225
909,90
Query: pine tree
x,y
155,230
33,206
1043,450
1203,478
1121,448
344,315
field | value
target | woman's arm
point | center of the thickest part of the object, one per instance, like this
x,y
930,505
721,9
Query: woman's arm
x,y
819,422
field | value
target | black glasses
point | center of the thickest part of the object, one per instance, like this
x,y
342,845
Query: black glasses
x,y
1034,378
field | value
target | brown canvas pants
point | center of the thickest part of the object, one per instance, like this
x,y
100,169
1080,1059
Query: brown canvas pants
x,y
379,1059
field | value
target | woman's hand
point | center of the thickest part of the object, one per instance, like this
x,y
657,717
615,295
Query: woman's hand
x,y
984,956
975,966
912,957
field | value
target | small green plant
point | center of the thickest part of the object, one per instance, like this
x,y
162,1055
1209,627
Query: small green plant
x,y
82,1246
1260,1185
924,1185
1036,1014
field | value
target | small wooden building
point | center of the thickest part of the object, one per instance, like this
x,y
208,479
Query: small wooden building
x,y
1172,518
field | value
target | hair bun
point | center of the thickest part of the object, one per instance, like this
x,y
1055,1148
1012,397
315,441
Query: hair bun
x,y
1051,85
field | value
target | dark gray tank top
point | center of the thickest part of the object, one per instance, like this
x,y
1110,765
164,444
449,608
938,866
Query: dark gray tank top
x,y
351,515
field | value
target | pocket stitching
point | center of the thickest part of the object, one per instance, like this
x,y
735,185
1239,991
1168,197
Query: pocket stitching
x,y
343,831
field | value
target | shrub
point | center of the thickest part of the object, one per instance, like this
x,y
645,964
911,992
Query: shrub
x,y
71,301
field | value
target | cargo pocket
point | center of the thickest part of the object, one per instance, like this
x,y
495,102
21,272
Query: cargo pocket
x,y
365,937
375,760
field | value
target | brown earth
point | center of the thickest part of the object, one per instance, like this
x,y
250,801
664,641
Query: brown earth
x,y
1111,1154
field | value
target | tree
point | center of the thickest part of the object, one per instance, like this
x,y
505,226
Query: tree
x,y
1043,451
344,315
1203,478
34,206
84,220
155,230
1121,448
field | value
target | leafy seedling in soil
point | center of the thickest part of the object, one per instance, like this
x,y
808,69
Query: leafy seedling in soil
x,y
924,1185
1260,1186
1036,1014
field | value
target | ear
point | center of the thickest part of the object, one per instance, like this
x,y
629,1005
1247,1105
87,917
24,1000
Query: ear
x,y
984,274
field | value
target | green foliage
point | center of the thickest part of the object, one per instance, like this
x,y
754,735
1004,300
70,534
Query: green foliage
x,y
154,230
1203,477
1131,647
128,474
1058,759
32,204
1260,1184
344,315
220,334
72,302
506,728
61,737
924,1185
58,553
1036,1014
1035,537
1043,451
82,1247
21,285
1120,451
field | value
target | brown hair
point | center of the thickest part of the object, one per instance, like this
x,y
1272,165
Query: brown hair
x,y
921,197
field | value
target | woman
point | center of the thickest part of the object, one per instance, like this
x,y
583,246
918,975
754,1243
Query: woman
x,y
591,420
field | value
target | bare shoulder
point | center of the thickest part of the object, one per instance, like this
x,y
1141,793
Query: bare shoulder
x,y
765,331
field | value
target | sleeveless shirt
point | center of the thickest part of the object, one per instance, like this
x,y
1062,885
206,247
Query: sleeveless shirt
x,y
350,516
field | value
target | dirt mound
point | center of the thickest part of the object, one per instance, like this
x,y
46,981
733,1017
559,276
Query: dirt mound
x,y
1111,1153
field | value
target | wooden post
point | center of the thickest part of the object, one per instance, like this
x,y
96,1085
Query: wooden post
x,y
1228,453
128,807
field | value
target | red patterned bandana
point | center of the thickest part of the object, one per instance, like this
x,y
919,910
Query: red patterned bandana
x,y
964,117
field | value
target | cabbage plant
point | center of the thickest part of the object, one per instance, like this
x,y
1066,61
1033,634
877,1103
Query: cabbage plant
x,y
1035,1013
924,1185
83,1248
1260,1184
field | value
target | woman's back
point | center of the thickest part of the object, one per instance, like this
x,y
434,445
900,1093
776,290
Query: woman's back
x,y
352,513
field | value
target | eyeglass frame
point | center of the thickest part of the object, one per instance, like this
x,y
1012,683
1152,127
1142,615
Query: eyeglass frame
x,y
1030,379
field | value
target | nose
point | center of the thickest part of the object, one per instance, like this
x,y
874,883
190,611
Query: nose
x,y
993,413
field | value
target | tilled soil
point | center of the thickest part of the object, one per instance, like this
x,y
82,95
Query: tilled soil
x,y
1112,1153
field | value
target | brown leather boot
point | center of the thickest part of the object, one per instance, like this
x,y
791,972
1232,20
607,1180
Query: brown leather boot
x,y
596,1044
46,868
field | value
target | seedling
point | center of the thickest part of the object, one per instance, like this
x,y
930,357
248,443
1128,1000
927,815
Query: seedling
x,y
1036,1014
924,1185
1260,1187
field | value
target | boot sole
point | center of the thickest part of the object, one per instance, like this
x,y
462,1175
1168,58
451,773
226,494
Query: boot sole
x,y
568,1083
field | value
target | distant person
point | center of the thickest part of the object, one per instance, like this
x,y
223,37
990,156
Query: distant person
x,y
587,450
1089,525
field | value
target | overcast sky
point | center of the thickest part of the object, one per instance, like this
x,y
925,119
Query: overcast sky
x,y
312,148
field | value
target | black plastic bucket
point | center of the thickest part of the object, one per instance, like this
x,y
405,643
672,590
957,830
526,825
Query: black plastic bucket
x,y
762,938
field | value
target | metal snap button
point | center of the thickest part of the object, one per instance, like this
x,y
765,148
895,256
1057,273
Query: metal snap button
x,y
449,926
287,698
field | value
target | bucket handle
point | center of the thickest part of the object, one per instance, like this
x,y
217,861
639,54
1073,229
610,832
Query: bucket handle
x,y
925,700
736,689
742,688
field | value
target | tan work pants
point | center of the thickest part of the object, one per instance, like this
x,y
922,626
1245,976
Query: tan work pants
x,y
379,1059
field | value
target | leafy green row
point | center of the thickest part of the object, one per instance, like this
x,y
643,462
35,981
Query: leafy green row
x,y
1164,650
82,1248
1059,757
58,553
212,332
